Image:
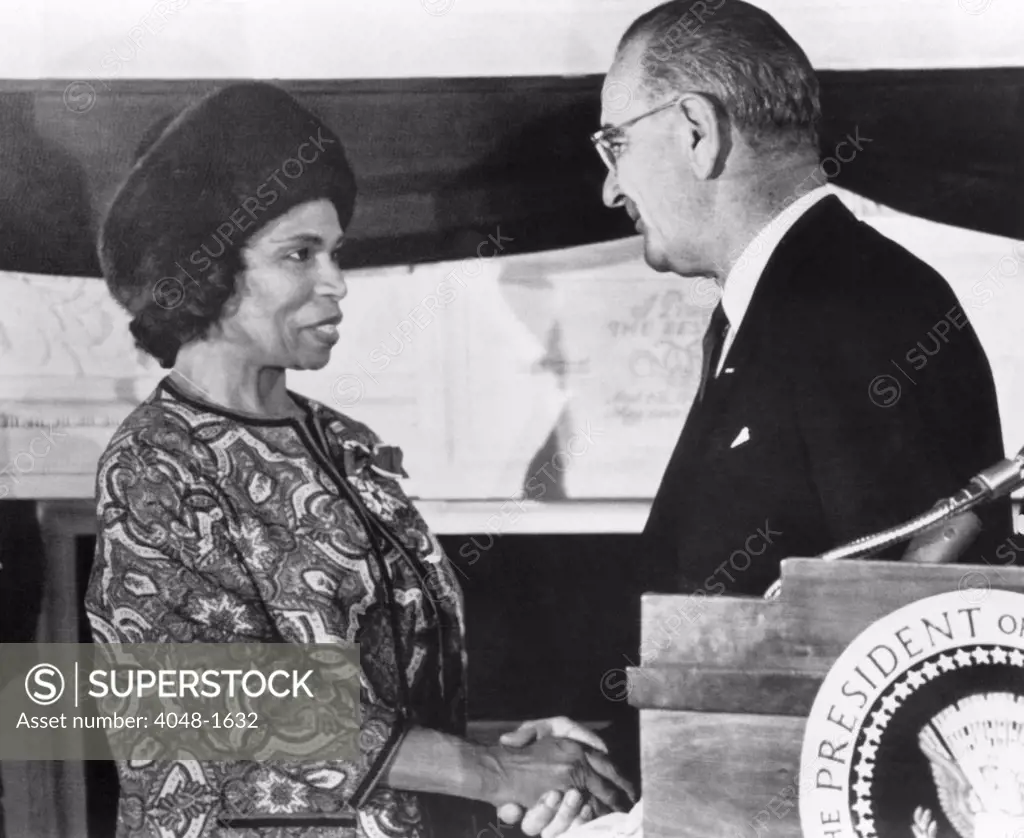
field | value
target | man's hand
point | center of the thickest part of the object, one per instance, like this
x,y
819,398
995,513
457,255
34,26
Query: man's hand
x,y
558,726
555,813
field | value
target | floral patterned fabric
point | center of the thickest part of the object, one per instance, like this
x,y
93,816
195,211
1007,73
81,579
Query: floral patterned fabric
x,y
216,527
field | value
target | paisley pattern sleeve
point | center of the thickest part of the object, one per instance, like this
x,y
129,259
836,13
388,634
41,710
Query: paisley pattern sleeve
x,y
263,554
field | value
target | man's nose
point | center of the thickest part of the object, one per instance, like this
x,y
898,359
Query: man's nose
x,y
611,193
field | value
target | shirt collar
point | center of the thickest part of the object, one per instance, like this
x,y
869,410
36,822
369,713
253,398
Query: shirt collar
x,y
743,278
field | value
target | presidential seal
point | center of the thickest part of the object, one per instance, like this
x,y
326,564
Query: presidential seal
x,y
918,729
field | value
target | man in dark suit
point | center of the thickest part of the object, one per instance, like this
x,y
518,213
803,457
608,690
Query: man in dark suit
x,y
844,389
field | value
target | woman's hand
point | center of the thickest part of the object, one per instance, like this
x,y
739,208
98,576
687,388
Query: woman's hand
x,y
524,775
556,812
433,762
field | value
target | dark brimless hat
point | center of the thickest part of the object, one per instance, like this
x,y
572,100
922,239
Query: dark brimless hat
x,y
171,241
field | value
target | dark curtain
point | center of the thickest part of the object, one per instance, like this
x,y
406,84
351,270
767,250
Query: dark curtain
x,y
945,145
445,163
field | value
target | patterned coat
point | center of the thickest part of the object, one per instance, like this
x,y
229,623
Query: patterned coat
x,y
217,527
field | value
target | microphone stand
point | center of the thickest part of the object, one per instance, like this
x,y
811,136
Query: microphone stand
x,y
991,484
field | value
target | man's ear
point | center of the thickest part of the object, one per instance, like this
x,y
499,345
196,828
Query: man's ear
x,y
705,133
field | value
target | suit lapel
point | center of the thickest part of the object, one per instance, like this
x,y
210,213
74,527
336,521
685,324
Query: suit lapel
x,y
803,241
808,236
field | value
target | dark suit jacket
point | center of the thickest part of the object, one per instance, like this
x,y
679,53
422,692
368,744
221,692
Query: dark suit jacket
x,y
867,397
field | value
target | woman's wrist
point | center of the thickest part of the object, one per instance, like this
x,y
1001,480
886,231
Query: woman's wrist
x,y
439,763
491,774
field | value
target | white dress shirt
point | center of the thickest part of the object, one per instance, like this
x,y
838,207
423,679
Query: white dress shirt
x,y
745,274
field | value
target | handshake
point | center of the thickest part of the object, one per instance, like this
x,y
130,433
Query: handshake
x,y
552,775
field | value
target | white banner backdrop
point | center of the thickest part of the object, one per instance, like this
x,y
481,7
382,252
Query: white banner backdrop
x,y
565,375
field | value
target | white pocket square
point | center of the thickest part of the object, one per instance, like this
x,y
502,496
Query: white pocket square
x,y
741,437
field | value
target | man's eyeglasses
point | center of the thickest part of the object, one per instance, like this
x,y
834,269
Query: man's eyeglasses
x,y
608,140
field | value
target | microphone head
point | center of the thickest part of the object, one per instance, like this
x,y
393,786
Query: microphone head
x,y
1004,477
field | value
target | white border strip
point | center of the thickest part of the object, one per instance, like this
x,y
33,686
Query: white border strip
x,y
326,39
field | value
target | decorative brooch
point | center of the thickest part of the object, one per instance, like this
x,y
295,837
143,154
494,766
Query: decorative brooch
x,y
386,460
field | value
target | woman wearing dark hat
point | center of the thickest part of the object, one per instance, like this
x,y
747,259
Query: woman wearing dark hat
x,y
234,510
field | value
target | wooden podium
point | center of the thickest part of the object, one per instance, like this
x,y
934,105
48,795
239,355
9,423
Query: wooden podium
x,y
726,683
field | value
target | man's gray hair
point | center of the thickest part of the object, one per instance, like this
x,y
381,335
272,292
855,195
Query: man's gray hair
x,y
741,58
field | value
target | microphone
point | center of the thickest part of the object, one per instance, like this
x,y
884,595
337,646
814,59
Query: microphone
x,y
993,483
944,542
999,480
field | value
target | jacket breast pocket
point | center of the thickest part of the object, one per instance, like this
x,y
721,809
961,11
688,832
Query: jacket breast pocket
x,y
733,441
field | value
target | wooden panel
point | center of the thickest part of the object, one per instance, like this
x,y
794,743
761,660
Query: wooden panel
x,y
35,795
444,517
786,693
720,775
822,608
48,799
60,523
686,629
884,586
752,669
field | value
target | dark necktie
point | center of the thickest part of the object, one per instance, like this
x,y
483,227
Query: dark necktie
x,y
714,340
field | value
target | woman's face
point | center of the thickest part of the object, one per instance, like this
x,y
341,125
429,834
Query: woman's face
x,y
285,313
